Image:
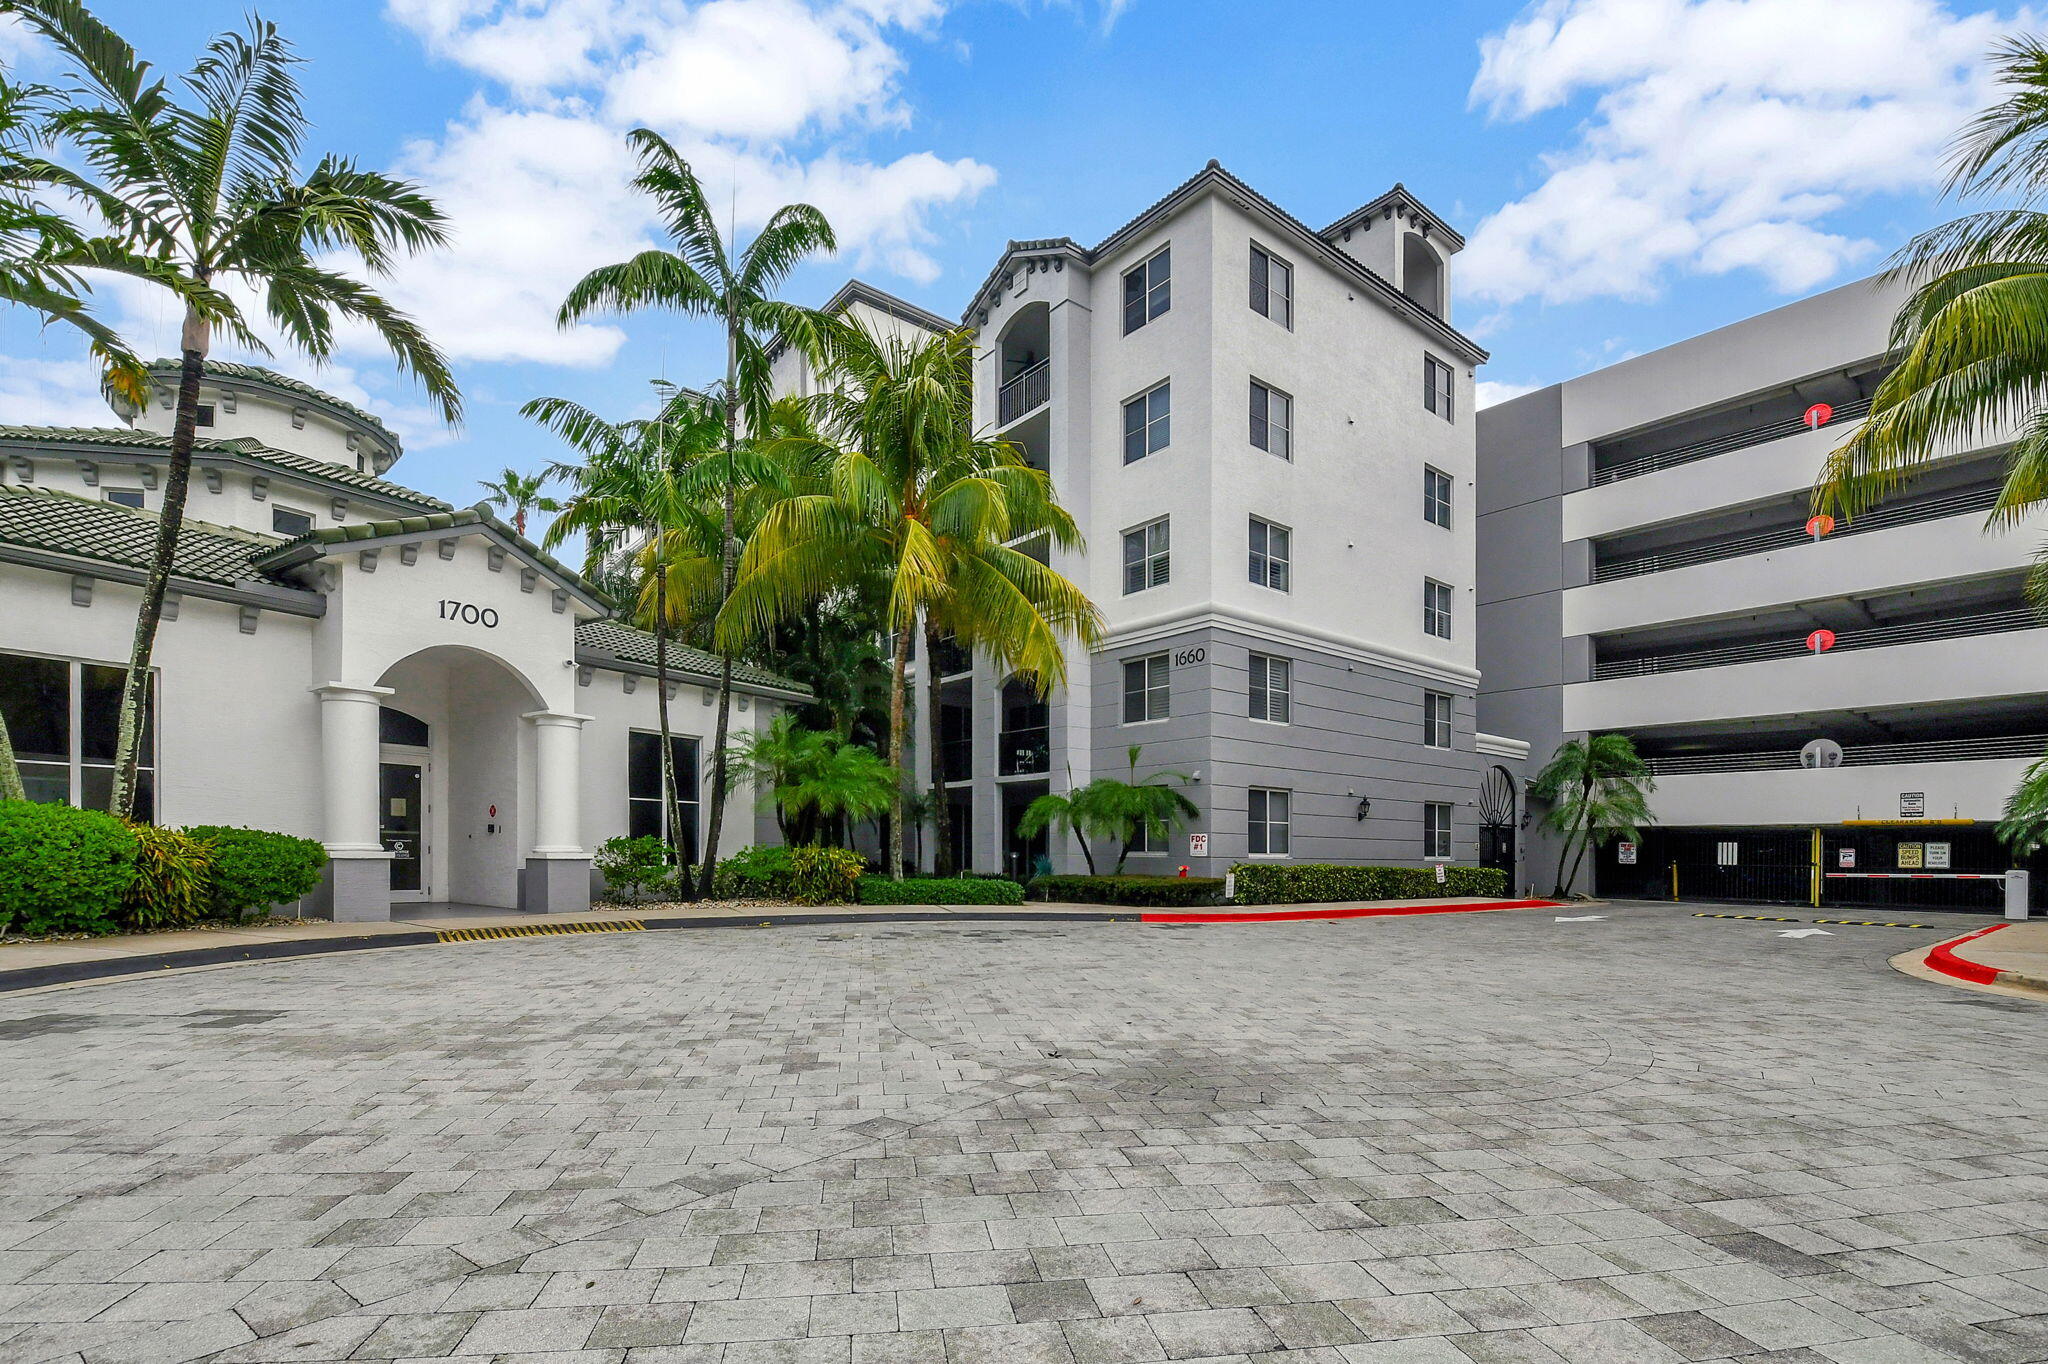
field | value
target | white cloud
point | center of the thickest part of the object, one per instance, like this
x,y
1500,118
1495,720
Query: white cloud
x,y
1721,136
768,99
44,392
1488,392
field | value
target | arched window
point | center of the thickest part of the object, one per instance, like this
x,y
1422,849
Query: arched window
x,y
394,726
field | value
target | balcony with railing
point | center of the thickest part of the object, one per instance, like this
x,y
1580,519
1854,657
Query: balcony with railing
x,y
956,760
1025,744
1026,393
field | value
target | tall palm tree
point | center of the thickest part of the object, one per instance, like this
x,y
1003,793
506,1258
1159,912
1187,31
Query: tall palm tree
x,y
522,493
1973,340
910,495
206,194
636,479
36,244
1598,789
699,276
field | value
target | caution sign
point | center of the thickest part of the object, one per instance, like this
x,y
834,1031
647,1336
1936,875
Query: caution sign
x,y
1912,856
1625,854
1912,805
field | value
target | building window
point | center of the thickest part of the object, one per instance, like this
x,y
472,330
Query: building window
x,y
1436,497
1436,387
1436,830
645,815
1146,695
1148,290
290,523
1272,287
123,497
64,719
395,726
1146,557
1436,719
1272,689
1269,554
1148,422
1272,420
205,417
1266,820
1436,608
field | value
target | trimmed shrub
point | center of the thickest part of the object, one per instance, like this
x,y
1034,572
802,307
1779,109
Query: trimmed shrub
x,y
808,876
633,866
941,890
1298,883
63,870
1144,891
254,869
173,880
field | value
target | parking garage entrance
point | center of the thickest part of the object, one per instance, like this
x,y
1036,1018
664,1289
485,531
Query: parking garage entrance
x,y
1918,865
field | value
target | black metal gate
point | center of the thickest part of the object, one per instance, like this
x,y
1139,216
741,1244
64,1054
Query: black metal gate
x,y
1497,823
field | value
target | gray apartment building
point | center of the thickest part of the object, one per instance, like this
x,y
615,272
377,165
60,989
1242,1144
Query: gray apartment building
x,y
1645,566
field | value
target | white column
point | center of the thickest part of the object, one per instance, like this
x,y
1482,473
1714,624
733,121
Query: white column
x,y
348,753
557,783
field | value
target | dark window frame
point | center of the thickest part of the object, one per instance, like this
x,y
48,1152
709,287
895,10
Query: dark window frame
x,y
88,728
1265,566
1154,429
1439,720
1264,397
1437,829
1261,821
645,799
1148,289
1439,397
1264,265
1437,494
1271,681
1154,559
1154,677
1438,606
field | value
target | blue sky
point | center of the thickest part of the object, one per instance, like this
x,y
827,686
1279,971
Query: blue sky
x,y
1629,172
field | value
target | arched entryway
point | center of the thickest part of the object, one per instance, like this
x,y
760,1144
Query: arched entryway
x,y
451,808
1497,825
450,781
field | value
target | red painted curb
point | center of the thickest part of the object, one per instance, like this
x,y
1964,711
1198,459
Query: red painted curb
x,y
1344,913
1941,958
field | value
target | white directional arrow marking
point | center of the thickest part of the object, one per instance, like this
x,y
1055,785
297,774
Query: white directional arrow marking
x,y
1577,918
1806,933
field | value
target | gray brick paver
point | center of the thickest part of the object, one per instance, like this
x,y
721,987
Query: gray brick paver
x,y
773,1148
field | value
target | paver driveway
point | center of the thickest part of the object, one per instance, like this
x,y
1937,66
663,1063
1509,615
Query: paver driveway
x,y
1481,1137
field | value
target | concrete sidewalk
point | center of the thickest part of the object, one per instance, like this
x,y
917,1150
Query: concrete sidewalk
x,y
2016,951
34,965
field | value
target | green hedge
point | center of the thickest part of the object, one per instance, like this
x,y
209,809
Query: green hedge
x,y
255,869
63,870
1147,891
809,876
940,890
1295,883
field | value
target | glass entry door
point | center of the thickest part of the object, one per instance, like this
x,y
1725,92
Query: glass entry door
x,y
401,825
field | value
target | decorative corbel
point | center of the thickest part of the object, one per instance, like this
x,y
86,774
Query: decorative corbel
x,y
147,474
212,480
81,590
529,578
446,548
90,472
24,468
496,556
409,553
172,601
299,419
561,600
250,615
339,508
584,675
632,682
367,560
259,487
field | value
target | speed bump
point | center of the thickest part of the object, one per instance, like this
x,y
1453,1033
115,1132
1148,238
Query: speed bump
x,y
540,930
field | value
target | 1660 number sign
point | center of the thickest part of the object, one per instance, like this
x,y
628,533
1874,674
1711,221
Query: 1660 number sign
x,y
469,613
1183,657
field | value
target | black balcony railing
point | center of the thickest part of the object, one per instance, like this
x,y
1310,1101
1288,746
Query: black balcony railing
x,y
1028,392
949,659
1778,537
1022,751
1876,637
956,760
1859,755
1710,446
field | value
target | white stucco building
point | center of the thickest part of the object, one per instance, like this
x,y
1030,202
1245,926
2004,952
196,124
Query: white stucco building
x,y
450,711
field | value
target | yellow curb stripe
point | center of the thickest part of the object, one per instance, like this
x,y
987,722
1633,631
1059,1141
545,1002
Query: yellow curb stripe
x,y
1874,923
1755,918
450,935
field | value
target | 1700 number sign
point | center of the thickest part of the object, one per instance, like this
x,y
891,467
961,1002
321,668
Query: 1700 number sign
x,y
469,613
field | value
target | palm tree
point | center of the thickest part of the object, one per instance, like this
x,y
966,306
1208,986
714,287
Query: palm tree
x,y
635,478
207,194
700,277
1071,810
819,781
35,245
1598,788
1973,331
1132,807
2024,829
521,492
911,496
